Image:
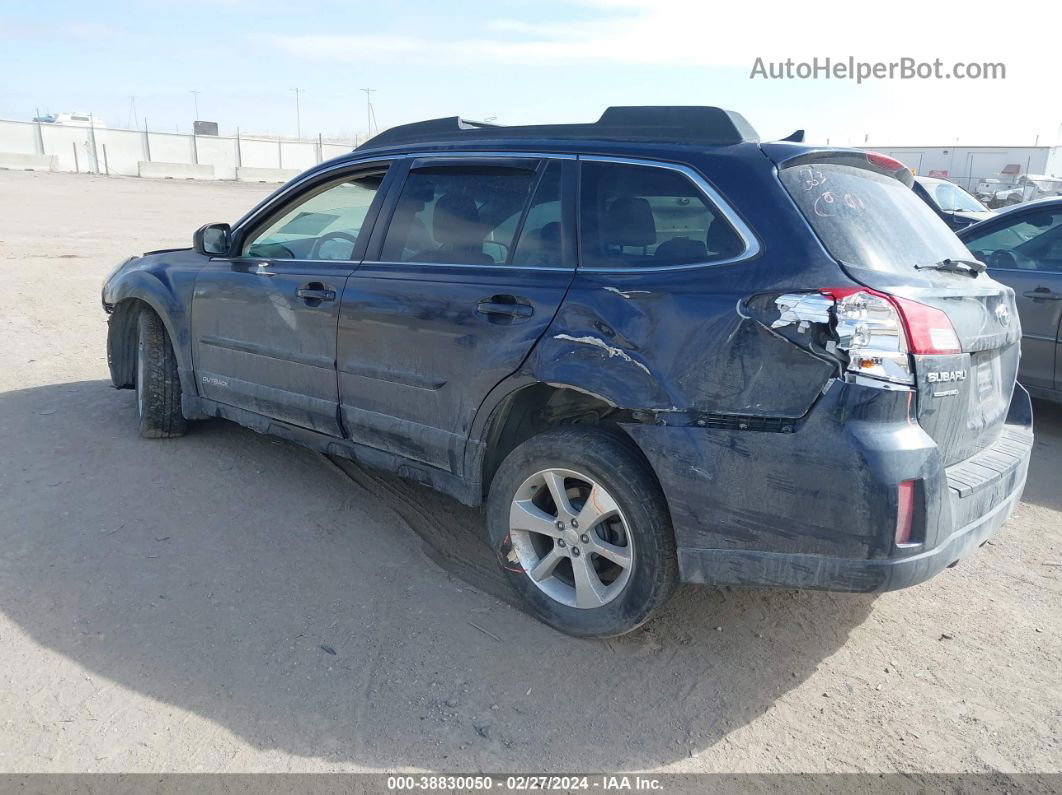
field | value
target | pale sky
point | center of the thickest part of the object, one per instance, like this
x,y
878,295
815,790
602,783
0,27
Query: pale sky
x,y
530,61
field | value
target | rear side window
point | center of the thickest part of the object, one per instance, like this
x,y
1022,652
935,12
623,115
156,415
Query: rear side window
x,y
648,216
462,215
870,220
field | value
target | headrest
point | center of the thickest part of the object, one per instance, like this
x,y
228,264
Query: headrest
x,y
551,232
680,250
722,239
456,221
629,222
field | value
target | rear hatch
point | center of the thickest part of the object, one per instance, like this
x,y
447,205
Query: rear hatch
x,y
887,239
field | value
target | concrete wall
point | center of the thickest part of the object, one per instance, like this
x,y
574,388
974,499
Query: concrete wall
x,y
104,150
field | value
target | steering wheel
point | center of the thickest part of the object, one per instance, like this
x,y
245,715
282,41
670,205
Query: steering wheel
x,y
1002,259
316,249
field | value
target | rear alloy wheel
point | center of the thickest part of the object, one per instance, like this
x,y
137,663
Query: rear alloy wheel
x,y
583,531
571,538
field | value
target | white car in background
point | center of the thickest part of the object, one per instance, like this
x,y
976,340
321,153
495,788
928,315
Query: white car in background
x,y
74,119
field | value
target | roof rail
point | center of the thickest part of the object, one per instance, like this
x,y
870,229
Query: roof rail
x,y
663,123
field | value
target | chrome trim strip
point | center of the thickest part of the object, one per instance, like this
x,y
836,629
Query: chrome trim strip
x,y
1026,271
495,267
748,237
302,179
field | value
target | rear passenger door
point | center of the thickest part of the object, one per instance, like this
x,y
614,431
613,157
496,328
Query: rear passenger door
x,y
455,290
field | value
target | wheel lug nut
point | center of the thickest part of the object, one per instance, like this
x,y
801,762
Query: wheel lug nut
x,y
560,542
575,551
560,525
584,538
575,522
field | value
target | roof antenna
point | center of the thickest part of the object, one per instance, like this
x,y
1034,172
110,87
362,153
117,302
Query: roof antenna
x,y
796,137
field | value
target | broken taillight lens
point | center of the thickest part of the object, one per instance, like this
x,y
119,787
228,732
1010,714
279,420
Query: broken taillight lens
x,y
871,331
878,331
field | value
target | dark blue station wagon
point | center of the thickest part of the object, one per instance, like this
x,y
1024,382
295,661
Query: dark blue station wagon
x,y
655,348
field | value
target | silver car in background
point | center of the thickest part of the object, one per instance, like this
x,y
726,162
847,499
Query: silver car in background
x,y
1022,247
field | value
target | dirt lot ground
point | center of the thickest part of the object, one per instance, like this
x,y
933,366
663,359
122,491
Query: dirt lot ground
x,y
229,602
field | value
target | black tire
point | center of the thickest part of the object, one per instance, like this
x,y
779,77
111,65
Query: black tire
x,y
158,386
612,460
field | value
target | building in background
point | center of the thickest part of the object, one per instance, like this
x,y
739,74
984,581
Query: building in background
x,y
983,170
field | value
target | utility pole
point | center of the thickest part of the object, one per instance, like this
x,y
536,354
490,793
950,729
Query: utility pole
x,y
298,115
195,99
368,109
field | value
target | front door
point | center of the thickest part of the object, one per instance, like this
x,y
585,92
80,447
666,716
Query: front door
x,y
1024,251
264,321
450,299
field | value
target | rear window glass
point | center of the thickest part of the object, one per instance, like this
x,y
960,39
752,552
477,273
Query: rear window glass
x,y
870,220
952,198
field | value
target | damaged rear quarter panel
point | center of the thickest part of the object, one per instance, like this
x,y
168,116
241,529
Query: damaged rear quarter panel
x,y
673,341
676,343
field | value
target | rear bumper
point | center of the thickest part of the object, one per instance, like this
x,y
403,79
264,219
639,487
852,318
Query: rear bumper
x,y
747,567
819,514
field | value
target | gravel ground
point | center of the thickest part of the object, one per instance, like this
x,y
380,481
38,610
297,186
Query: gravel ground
x,y
231,602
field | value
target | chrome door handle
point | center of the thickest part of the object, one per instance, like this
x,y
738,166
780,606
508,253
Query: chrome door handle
x,y
315,294
1043,294
506,305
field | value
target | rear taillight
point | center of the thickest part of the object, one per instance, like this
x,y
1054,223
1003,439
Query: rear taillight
x,y
929,330
905,509
870,330
878,331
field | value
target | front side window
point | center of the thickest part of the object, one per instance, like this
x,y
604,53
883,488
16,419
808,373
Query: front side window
x,y
460,215
322,226
1032,242
648,216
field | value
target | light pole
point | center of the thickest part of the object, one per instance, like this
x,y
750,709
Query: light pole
x,y
368,109
195,99
298,115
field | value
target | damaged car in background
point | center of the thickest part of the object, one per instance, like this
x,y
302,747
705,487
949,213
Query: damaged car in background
x,y
655,348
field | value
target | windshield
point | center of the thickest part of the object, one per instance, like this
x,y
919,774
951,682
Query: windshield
x,y
951,198
870,220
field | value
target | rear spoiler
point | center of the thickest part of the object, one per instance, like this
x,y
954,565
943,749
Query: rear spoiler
x,y
784,156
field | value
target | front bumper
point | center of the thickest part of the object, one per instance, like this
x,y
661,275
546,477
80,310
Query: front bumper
x,y
819,512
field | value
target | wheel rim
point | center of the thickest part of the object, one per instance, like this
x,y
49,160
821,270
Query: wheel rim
x,y
140,378
571,538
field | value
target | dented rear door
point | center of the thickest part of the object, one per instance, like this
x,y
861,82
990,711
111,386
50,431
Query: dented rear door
x,y
458,287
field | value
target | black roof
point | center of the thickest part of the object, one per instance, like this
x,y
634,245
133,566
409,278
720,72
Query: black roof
x,y
689,124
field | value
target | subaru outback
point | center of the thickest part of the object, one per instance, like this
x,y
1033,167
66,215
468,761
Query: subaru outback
x,y
655,348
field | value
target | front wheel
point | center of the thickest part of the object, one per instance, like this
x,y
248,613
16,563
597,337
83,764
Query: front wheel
x,y
583,532
158,386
